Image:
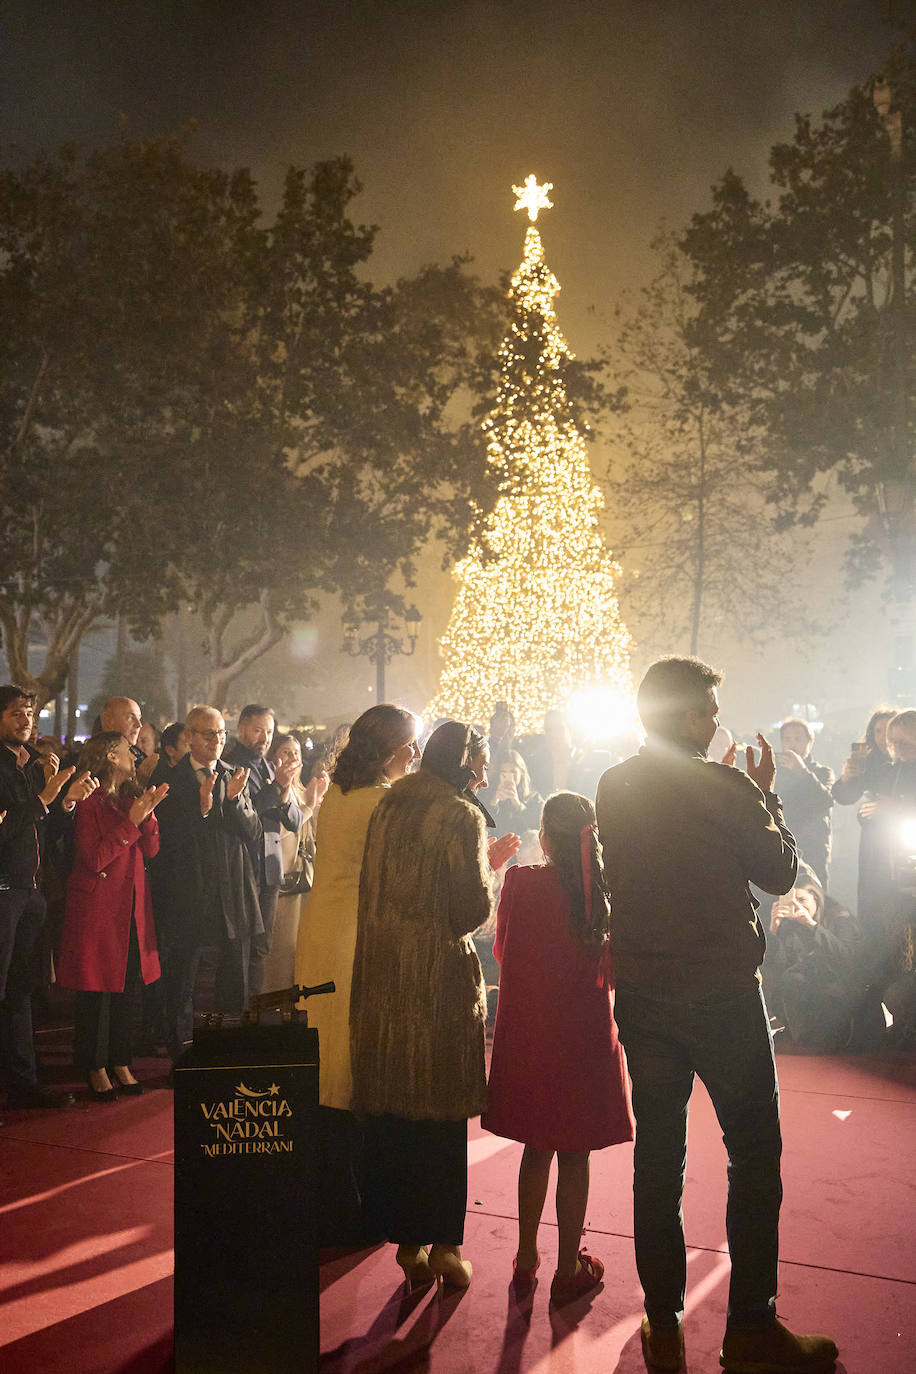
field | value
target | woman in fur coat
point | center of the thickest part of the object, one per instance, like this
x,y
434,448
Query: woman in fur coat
x,y
418,1006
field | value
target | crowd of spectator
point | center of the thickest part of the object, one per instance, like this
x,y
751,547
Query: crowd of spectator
x,y
225,875
154,873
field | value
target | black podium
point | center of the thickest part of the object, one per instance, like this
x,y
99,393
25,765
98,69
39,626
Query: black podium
x,y
246,1246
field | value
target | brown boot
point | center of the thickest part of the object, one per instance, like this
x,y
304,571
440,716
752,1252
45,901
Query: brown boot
x,y
776,1350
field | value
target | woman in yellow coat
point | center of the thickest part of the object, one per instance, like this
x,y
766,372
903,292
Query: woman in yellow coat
x,y
382,747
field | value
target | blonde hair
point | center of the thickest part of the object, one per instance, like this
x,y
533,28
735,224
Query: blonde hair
x,y
905,722
296,786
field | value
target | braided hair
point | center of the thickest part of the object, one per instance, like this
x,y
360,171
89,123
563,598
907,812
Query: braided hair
x,y
568,822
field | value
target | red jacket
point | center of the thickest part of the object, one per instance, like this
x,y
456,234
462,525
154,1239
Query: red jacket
x,y
107,884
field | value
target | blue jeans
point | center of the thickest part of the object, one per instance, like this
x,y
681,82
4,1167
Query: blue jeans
x,y
726,1040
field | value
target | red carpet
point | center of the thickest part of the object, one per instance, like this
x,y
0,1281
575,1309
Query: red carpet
x,y
85,1244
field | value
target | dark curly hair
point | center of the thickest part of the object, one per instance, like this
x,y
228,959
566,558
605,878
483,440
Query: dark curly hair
x,y
374,737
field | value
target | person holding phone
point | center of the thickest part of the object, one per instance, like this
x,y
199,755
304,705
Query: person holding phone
x,y
867,779
516,807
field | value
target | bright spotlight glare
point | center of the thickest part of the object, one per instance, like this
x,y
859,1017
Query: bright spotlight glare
x,y
908,834
600,713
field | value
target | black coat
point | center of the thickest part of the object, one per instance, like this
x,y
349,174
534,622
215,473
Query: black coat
x,y
876,839
204,862
22,832
275,815
807,801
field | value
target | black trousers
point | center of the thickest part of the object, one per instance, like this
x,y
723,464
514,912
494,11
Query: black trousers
x,y
230,989
260,944
22,915
104,1030
416,1179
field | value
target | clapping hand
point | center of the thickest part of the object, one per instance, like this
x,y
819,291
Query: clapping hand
x,y
143,805
50,763
55,783
762,771
286,770
500,850
731,754
235,784
206,793
315,789
147,768
82,786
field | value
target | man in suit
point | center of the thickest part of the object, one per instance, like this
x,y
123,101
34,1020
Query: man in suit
x,y
204,887
270,790
28,788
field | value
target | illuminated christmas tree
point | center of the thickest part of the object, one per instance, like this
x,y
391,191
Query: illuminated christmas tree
x,y
536,618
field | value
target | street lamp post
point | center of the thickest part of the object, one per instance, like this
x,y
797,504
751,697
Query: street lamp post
x,y
382,645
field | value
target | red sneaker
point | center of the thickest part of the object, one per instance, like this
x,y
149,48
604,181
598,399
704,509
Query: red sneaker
x,y
588,1275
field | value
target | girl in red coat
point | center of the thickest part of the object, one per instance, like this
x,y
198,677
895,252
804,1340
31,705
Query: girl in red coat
x,y
558,1079
108,943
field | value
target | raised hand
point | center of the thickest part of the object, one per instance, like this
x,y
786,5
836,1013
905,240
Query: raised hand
x,y
501,850
50,763
144,805
286,770
55,784
731,754
854,766
147,768
206,793
235,784
82,786
762,771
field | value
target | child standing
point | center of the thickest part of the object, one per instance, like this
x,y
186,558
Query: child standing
x,y
558,1079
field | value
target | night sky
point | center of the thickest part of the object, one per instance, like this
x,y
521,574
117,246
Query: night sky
x,y
632,109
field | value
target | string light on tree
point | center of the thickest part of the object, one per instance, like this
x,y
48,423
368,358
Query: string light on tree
x,y
536,616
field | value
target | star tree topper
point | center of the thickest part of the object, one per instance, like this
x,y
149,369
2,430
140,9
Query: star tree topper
x,y
532,197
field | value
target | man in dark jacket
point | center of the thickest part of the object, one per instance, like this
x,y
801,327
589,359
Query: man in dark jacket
x,y
28,788
682,838
204,889
271,795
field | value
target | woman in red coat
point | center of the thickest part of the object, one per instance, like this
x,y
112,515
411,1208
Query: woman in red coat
x,y
109,943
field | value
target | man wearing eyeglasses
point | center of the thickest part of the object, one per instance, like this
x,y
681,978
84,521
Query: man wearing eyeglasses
x,y
204,887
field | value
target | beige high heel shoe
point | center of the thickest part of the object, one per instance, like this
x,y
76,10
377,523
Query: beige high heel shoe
x,y
414,1260
449,1268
